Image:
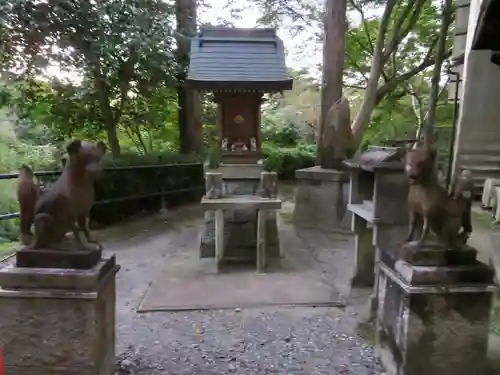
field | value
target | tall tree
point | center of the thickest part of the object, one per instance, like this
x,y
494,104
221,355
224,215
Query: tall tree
x,y
190,126
383,52
333,58
114,50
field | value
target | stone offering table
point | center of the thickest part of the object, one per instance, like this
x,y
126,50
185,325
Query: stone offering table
x,y
261,207
58,320
434,311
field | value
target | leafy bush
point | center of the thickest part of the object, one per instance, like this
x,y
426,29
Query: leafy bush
x,y
286,160
286,135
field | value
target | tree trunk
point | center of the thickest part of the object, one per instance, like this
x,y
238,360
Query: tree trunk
x,y
107,115
114,143
438,63
333,61
369,102
189,107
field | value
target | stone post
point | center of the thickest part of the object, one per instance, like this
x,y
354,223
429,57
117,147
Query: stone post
x,y
319,201
59,321
261,241
434,312
268,184
213,185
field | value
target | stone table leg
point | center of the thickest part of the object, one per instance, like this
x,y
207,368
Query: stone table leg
x,y
261,241
219,237
365,253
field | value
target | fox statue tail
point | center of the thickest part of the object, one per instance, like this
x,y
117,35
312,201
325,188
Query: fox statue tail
x,y
28,192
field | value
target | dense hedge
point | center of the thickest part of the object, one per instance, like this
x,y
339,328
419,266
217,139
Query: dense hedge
x,y
157,181
286,160
152,181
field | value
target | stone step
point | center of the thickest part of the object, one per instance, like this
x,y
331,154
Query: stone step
x,y
473,159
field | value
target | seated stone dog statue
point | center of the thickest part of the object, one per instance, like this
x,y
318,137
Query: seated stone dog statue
x,y
66,204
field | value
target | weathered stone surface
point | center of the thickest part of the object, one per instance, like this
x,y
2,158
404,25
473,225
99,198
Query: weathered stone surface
x,y
436,255
53,278
431,329
238,171
444,275
268,185
240,225
319,199
364,264
41,258
59,332
236,202
213,185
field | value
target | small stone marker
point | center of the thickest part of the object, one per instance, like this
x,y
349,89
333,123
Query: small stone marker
x,y
268,184
213,185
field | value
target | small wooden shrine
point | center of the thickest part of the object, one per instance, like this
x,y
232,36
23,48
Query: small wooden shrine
x,y
239,66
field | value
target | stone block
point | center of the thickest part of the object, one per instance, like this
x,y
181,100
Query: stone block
x,y
319,199
45,258
68,329
435,325
239,171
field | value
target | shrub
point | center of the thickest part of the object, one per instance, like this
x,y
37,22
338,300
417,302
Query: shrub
x,y
282,135
9,229
151,188
286,160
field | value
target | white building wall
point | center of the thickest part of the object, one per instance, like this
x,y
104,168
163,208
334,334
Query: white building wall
x,y
477,142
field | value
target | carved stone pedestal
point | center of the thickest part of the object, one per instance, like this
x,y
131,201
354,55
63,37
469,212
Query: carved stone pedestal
x,y
319,199
434,311
58,321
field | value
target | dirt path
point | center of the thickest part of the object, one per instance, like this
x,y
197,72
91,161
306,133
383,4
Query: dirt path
x,y
248,341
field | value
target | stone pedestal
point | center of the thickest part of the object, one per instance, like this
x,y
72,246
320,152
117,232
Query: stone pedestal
x,y
434,311
240,221
58,321
319,199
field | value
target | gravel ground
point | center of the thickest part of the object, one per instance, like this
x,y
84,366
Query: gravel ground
x,y
248,341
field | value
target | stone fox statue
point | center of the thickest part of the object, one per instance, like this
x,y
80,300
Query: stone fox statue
x,y
431,206
66,204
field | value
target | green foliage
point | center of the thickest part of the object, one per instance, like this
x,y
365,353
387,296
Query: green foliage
x,y
118,57
285,135
166,183
214,155
9,229
286,160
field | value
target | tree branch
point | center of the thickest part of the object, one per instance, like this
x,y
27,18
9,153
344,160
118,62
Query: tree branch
x,y
399,32
364,23
357,66
125,76
387,87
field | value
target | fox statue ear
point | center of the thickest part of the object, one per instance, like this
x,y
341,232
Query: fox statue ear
x,y
74,147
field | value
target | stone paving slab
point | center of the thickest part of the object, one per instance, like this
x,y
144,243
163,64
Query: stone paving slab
x,y
189,283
